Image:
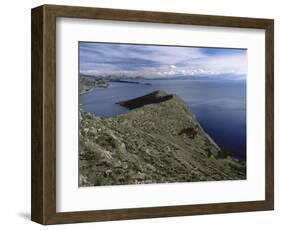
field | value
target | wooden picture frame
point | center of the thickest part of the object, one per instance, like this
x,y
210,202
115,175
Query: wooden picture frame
x,y
43,208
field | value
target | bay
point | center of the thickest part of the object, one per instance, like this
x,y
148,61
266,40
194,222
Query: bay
x,y
218,105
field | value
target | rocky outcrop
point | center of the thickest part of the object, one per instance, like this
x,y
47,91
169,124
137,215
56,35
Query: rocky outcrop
x,y
157,141
152,98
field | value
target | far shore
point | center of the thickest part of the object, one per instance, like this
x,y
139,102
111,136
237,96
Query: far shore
x,y
130,82
107,85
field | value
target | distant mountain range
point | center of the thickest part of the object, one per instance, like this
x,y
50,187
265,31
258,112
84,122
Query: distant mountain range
x,y
180,77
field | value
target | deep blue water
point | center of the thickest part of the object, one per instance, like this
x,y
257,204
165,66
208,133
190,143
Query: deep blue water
x,y
219,106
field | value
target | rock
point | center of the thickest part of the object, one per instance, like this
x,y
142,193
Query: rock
x,y
108,172
83,180
117,164
124,165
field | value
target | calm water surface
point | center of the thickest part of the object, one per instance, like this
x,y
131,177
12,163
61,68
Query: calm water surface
x,y
219,106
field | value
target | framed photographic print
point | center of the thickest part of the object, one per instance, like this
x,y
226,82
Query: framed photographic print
x,y
140,114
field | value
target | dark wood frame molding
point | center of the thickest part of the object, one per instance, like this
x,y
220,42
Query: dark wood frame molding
x,y
43,188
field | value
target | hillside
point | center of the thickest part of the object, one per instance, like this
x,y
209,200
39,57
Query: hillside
x,y
157,141
87,84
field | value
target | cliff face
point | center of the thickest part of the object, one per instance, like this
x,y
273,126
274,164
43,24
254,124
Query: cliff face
x,y
157,141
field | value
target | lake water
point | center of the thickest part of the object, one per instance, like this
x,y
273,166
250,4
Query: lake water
x,y
219,106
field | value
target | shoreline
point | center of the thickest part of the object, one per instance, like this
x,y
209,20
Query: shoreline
x,y
130,82
93,88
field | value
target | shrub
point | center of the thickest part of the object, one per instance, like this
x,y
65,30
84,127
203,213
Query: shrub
x,y
208,151
223,153
190,132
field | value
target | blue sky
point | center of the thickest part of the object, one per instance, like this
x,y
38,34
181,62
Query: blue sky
x,y
161,61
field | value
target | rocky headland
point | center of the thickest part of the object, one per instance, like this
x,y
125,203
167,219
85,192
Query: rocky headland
x,y
157,141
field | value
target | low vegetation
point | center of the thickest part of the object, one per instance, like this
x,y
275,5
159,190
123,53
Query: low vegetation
x,y
87,84
157,142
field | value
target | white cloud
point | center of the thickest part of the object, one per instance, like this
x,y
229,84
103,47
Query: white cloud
x,y
153,61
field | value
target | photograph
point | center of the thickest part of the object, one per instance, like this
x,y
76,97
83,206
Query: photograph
x,y
140,114
161,114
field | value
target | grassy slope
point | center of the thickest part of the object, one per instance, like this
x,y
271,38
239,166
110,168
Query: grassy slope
x,y
157,143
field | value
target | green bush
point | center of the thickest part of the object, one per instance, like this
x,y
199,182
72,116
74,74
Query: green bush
x,y
208,151
223,153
